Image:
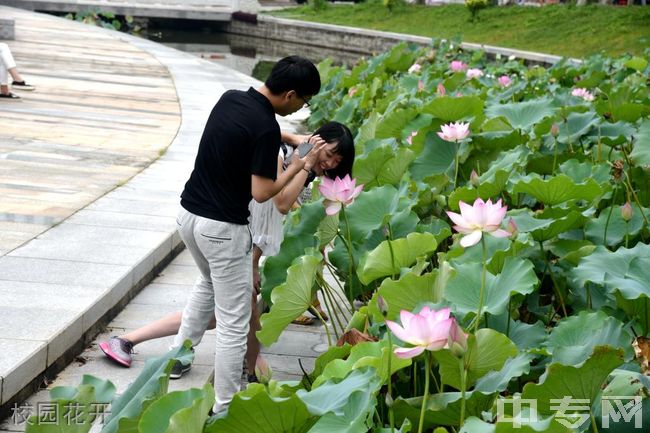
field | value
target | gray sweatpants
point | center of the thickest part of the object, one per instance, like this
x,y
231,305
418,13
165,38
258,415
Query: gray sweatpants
x,y
222,251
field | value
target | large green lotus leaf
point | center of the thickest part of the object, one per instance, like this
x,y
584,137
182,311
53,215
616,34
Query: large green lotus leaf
x,y
333,395
574,338
577,125
640,154
485,190
629,111
367,131
452,109
327,230
638,309
613,133
463,290
442,408
509,161
290,299
488,351
299,229
346,111
392,124
150,384
356,416
636,63
370,211
254,410
543,229
409,291
405,428
323,360
497,381
83,417
522,115
625,270
557,189
436,157
617,227
373,354
528,423
104,390
582,171
524,335
383,166
178,411
391,256
580,382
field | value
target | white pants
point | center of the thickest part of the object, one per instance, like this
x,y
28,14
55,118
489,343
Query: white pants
x,y
6,62
222,251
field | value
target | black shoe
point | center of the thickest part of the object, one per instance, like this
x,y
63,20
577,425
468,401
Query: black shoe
x,y
178,369
252,378
10,96
21,85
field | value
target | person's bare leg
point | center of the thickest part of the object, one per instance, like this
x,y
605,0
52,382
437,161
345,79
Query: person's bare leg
x,y
4,89
253,345
15,75
163,327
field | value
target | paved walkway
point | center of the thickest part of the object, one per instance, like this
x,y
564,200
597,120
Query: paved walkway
x,y
114,111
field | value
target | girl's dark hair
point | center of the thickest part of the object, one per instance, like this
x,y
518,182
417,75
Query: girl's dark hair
x,y
335,132
294,73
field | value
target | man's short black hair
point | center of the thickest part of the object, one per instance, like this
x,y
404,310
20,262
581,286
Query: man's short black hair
x,y
294,73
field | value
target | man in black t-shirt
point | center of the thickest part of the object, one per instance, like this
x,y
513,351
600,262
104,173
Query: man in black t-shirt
x,y
236,161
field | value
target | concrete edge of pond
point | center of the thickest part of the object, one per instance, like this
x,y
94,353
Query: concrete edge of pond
x,y
364,41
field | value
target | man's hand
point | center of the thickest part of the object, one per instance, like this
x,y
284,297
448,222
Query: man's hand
x,y
257,280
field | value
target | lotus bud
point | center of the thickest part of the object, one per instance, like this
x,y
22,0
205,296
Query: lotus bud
x,y
389,399
263,370
382,305
627,211
441,90
352,91
512,228
420,85
474,180
555,130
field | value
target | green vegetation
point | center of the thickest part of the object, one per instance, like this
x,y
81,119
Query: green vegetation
x,y
554,29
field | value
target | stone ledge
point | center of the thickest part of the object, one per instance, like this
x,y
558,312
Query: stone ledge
x,y
363,41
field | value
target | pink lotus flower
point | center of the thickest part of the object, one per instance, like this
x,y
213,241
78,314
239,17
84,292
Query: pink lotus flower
x,y
441,90
504,81
455,132
338,192
457,66
481,217
415,67
427,330
409,139
583,93
473,73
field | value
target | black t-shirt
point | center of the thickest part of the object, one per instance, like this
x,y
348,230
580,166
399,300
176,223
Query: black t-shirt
x,y
241,138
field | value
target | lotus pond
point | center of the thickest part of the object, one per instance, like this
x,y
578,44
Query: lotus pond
x,y
491,255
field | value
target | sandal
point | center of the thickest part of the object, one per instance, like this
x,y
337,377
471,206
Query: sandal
x,y
9,96
303,320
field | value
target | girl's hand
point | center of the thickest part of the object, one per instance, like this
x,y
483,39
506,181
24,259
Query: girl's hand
x,y
311,159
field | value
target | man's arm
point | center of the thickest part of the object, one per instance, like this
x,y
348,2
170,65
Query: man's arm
x,y
263,188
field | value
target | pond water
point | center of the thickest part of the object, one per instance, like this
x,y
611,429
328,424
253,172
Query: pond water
x,y
249,55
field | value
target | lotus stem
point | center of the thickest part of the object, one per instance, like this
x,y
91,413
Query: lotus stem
x,y
327,331
482,292
338,283
456,164
351,258
609,215
594,426
389,238
332,310
629,183
463,385
391,415
425,398
554,283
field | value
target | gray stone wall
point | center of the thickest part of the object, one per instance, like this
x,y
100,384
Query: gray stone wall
x,y
359,41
